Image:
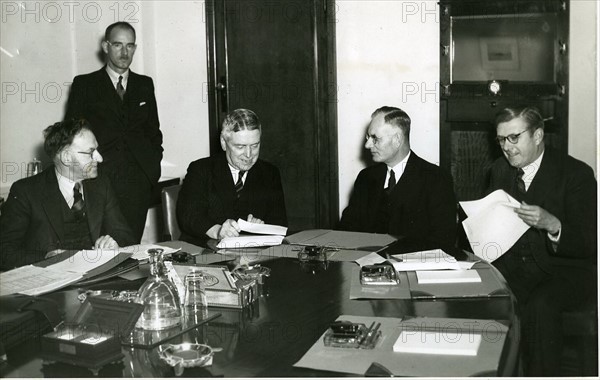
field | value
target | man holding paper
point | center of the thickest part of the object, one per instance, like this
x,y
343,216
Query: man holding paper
x,y
402,194
552,267
219,190
67,206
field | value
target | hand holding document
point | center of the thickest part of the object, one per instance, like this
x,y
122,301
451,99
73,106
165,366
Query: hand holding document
x,y
264,235
492,226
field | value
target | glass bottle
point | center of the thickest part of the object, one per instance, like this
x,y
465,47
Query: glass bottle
x,y
162,309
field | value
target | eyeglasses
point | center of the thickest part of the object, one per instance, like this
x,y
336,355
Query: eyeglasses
x,y
512,138
91,154
376,140
119,46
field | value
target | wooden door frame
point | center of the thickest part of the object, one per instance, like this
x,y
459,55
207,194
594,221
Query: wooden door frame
x,y
325,116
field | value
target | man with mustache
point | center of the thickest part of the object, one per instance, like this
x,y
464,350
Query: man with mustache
x,y
219,190
402,194
121,108
552,267
67,206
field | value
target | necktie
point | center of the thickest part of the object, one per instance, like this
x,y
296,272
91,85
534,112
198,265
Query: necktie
x,y
520,182
120,88
391,182
239,185
78,203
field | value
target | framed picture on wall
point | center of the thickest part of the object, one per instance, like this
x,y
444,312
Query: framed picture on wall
x,y
499,53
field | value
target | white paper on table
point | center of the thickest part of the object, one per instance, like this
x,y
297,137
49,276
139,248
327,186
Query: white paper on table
x,y
438,343
32,280
140,251
263,229
447,276
494,227
370,259
424,260
85,260
250,241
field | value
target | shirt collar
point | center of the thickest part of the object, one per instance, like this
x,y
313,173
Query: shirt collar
x,y
235,173
399,167
65,185
531,170
114,77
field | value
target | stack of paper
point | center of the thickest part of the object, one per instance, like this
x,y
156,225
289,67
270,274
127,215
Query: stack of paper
x,y
492,226
140,251
438,343
265,235
447,276
434,259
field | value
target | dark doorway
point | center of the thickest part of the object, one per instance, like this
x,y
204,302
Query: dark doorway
x,y
277,58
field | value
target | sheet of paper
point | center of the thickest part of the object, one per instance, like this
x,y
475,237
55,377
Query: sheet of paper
x,y
342,239
84,261
32,280
438,343
447,276
250,241
370,259
140,251
263,229
424,260
492,226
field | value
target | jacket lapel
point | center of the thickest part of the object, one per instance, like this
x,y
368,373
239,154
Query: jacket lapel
x,y
94,208
51,202
223,180
547,174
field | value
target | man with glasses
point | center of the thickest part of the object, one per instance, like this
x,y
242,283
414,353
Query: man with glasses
x,y
121,108
551,268
67,206
402,194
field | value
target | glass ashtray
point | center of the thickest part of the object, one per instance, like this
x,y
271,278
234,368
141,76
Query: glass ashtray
x,y
252,272
186,355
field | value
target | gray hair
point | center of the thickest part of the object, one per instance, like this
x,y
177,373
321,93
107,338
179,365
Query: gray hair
x,y
240,120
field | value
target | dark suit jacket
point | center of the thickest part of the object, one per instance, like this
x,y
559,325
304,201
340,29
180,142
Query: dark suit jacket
x,y
422,206
566,188
31,223
129,125
208,197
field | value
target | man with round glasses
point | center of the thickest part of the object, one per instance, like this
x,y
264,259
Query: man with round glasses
x,y
121,108
402,194
552,267
67,206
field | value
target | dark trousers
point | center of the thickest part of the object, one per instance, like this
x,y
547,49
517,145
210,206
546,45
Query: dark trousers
x,y
542,297
132,188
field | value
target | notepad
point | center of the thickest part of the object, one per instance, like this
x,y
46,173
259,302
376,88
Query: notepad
x,y
438,343
447,276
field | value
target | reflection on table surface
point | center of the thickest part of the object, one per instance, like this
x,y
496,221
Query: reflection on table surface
x,y
297,304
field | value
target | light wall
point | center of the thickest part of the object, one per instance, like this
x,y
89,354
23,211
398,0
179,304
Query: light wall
x,y
45,44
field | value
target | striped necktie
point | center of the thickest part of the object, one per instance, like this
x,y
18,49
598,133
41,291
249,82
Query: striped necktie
x,y
78,202
520,182
239,185
120,88
391,182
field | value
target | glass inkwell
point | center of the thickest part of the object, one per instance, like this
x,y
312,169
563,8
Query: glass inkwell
x,y
314,259
162,308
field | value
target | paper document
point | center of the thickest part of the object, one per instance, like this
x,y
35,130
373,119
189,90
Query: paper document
x,y
32,280
438,343
492,226
140,251
370,259
249,241
424,260
85,261
263,229
447,276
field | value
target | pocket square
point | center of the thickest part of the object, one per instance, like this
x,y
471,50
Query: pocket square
x,y
142,103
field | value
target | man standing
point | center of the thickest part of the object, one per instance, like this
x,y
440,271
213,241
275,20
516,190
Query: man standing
x,y
221,189
121,108
552,267
63,207
401,194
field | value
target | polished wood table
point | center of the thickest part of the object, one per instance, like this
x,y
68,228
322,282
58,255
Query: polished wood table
x,y
297,304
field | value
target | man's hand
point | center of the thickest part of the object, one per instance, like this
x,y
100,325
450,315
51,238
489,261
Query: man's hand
x,y
537,217
106,242
252,219
229,228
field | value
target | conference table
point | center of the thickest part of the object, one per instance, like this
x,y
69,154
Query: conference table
x,y
297,303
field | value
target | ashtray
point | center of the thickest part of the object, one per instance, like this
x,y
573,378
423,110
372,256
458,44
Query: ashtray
x,y
186,355
252,272
115,295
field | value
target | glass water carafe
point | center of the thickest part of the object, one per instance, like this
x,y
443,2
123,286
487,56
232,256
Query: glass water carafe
x,y
162,309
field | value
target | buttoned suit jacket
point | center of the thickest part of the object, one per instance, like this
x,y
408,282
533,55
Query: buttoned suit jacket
x,y
422,206
131,124
31,223
566,188
208,197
